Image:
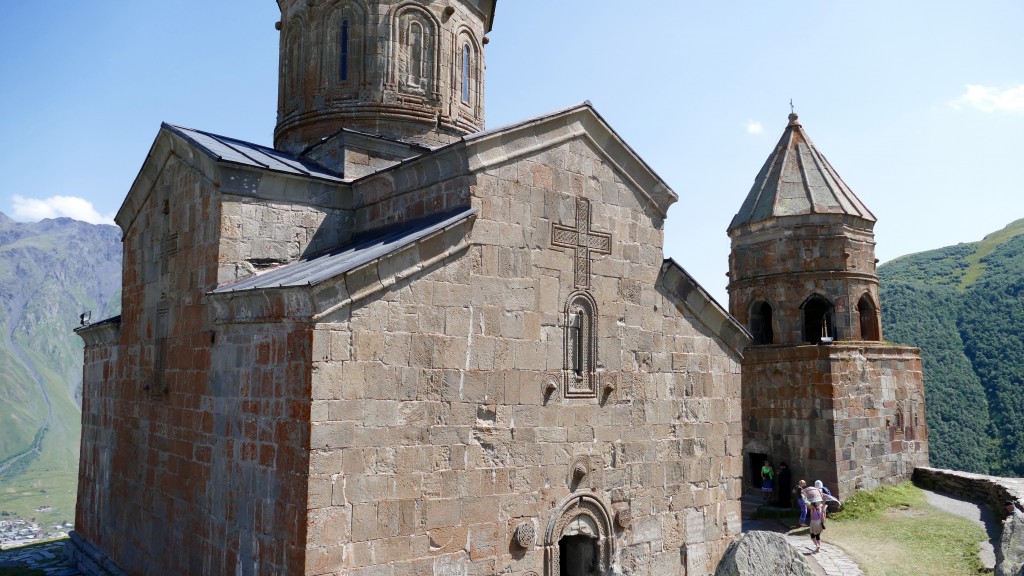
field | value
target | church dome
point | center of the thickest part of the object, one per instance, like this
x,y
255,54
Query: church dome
x,y
797,180
404,69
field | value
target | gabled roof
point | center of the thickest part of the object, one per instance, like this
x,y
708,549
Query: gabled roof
x,y
326,265
797,180
498,146
688,292
224,149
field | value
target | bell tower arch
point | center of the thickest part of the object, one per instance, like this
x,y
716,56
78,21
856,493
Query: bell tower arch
x,y
403,69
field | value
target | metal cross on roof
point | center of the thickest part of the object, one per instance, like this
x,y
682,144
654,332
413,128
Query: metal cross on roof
x,y
583,240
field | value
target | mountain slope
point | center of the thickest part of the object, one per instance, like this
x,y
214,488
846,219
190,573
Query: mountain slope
x,y
50,272
964,307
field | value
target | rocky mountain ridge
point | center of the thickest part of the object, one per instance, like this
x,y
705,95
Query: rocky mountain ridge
x,y
50,272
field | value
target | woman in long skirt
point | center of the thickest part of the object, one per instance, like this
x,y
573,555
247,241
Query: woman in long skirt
x,y
817,515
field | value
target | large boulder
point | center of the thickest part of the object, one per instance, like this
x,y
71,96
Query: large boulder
x,y
758,553
1010,553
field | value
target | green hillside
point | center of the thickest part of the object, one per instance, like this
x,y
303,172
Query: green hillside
x,y
50,272
964,307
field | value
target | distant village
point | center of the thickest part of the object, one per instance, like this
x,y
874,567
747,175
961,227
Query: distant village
x,y
15,531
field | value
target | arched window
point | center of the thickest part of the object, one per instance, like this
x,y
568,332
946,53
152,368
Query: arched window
x,y
342,66
580,346
415,54
466,67
343,49
819,319
761,323
868,319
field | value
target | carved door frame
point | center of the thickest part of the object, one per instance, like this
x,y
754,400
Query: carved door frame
x,y
581,504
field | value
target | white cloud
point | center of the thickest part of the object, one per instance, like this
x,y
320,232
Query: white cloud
x,y
34,209
989,99
754,127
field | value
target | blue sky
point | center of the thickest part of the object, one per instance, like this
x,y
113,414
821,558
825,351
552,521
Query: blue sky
x,y
918,104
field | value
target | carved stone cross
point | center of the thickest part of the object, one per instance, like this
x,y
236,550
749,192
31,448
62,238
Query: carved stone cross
x,y
583,240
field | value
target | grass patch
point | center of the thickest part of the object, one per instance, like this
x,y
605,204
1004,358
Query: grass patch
x,y
893,531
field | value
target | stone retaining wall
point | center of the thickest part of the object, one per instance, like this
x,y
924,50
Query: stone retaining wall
x,y
990,490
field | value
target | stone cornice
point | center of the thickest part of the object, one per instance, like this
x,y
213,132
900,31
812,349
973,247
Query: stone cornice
x,y
101,333
680,285
794,275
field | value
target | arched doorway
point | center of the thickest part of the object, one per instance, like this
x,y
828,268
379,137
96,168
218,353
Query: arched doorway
x,y
819,319
578,541
868,319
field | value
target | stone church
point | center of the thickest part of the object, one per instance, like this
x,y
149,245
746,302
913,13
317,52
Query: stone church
x,y
398,344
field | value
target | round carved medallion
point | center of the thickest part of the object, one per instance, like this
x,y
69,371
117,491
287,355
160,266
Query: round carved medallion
x,y
549,385
623,518
525,534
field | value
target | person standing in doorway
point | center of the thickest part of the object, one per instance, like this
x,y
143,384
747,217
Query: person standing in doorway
x,y
767,481
783,480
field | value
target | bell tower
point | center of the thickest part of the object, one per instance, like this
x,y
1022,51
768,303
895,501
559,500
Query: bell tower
x,y
403,69
803,252
820,389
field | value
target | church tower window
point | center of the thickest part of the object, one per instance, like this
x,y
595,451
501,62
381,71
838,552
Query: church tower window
x,y
819,319
580,346
343,52
761,323
868,319
341,71
466,61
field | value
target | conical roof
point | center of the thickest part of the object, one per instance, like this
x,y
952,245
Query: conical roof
x,y
797,180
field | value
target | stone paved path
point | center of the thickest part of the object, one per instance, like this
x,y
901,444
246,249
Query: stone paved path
x,y
47,557
830,561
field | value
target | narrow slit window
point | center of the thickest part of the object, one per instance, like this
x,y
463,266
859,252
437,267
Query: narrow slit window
x,y
576,337
416,53
580,347
466,55
343,52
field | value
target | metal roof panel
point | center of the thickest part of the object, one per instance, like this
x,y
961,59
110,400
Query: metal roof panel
x,y
318,268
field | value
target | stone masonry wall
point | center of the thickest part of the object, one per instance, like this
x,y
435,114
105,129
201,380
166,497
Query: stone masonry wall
x,y
847,414
144,461
194,444
434,438
268,219
788,406
991,491
881,434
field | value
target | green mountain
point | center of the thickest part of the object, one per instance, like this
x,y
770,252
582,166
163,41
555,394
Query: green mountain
x,y
963,306
50,272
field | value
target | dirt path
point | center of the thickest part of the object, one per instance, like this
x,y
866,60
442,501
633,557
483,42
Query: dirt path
x,y
979,514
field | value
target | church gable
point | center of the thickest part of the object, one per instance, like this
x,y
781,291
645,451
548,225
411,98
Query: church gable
x,y
530,392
